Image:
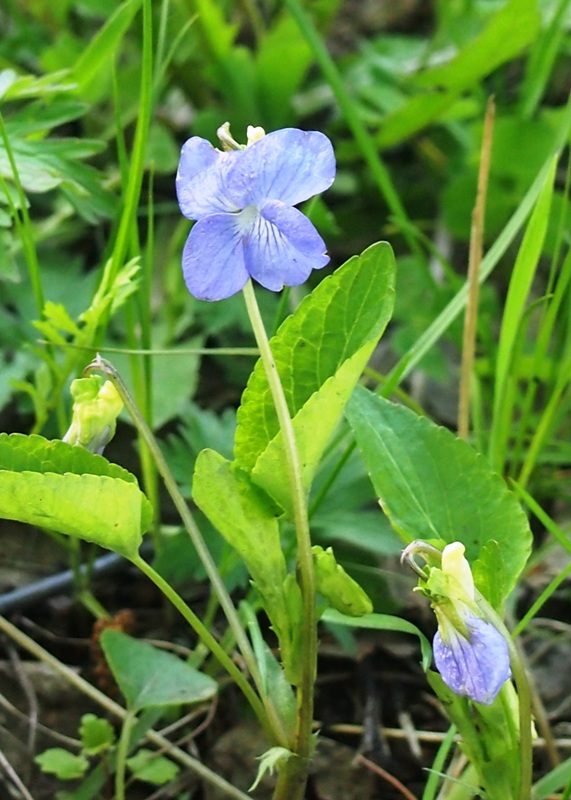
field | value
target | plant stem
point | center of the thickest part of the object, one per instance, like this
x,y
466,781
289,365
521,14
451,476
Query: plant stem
x,y
475,260
72,677
204,634
136,170
23,222
524,702
293,776
122,753
270,718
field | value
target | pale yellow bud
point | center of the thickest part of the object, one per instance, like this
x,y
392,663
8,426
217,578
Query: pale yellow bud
x,y
456,567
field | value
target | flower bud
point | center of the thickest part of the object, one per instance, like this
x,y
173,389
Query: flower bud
x,y
96,407
337,587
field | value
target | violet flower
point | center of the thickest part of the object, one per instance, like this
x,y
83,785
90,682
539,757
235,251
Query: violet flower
x,y
474,662
242,201
471,654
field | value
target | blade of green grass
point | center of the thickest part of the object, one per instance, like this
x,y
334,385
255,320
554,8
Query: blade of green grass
x,y
541,60
455,307
518,292
364,141
104,44
435,772
546,337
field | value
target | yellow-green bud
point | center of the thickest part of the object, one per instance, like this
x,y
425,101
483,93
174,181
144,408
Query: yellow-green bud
x,y
96,406
339,588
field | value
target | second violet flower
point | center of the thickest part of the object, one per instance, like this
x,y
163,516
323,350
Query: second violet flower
x,y
470,653
242,201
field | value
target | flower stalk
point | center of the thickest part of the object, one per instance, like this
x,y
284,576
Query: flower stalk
x,y
293,775
264,709
476,655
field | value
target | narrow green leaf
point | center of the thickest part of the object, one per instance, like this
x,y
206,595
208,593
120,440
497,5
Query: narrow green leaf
x,y
555,780
515,306
512,28
103,47
382,622
419,111
149,677
346,311
248,521
19,87
39,117
543,56
432,485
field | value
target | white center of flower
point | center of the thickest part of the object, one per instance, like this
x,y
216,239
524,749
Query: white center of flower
x,y
245,219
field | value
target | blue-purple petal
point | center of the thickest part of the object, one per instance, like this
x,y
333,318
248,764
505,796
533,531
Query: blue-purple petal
x,y
201,179
476,667
213,258
288,165
283,247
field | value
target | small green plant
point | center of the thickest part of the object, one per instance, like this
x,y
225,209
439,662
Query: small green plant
x,y
148,679
97,737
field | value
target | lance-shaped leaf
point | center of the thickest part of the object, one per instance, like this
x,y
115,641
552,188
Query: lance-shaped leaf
x,y
248,521
320,353
67,489
433,485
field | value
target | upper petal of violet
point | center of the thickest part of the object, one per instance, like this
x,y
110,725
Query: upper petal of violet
x,y
288,165
476,667
201,179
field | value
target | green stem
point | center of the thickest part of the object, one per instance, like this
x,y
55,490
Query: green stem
x,y
72,677
204,634
23,222
291,783
270,717
525,722
92,604
137,159
524,701
122,753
